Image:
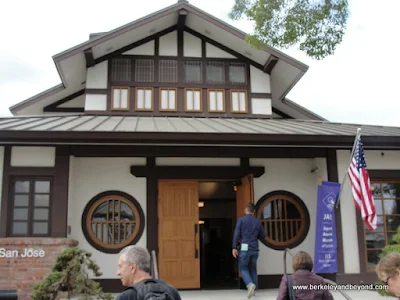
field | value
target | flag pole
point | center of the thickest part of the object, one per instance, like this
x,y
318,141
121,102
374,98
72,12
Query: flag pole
x,y
358,134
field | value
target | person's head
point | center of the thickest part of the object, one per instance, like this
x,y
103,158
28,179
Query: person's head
x,y
133,264
388,270
302,261
250,209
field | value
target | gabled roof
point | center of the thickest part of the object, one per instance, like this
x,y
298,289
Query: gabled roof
x,y
87,128
72,63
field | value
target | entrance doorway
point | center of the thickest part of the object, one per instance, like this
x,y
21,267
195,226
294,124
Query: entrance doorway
x,y
196,221
217,213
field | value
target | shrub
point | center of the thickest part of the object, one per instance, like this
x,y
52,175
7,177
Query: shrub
x,y
70,275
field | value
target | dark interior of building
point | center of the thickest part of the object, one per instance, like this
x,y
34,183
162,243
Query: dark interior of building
x,y
218,219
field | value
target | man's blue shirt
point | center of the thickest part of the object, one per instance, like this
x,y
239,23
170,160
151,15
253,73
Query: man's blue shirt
x,y
248,230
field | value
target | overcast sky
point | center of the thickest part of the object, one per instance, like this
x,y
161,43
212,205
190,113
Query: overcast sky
x,y
356,85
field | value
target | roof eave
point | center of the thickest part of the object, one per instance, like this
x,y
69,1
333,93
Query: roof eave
x,y
143,138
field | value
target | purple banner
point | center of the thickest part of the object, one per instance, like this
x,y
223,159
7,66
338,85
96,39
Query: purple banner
x,y
325,253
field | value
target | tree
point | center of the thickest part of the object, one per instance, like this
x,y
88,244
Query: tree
x,y
70,274
317,26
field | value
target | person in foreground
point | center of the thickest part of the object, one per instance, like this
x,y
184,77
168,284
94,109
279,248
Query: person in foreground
x,y
248,230
302,265
134,271
388,270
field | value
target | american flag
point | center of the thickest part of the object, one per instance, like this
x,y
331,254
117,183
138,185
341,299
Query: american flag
x,y
361,186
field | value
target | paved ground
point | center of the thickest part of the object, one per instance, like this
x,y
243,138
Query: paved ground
x,y
267,295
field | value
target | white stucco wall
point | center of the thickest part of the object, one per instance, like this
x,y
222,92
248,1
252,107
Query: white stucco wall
x,y
95,102
91,176
295,176
22,156
96,77
390,160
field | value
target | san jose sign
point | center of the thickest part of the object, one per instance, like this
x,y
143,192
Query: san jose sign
x,y
24,253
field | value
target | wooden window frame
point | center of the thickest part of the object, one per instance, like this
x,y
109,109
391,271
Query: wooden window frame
x,y
246,101
128,100
91,207
246,79
31,206
136,98
385,232
201,100
159,98
304,219
223,100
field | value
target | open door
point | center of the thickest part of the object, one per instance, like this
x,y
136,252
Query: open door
x,y
178,233
244,196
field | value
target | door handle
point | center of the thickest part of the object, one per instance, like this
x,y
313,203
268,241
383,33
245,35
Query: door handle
x,y
196,251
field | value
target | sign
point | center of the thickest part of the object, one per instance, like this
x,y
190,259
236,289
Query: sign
x,y
24,253
325,253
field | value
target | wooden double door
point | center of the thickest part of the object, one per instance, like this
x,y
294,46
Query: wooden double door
x,y
178,229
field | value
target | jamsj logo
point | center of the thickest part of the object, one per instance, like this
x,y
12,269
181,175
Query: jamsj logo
x,y
329,201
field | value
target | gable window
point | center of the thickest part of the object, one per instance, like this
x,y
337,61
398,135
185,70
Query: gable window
x,y
144,70
193,73
239,103
121,69
168,70
216,100
120,98
285,218
144,99
168,99
215,72
112,220
30,207
193,100
237,73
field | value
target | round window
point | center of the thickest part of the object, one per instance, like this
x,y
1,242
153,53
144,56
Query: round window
x,y
285,219
112,220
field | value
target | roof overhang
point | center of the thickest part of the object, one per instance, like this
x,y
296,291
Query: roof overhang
x,y
72,64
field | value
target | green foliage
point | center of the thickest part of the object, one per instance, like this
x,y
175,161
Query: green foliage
x,y
70,274
317,26
394,246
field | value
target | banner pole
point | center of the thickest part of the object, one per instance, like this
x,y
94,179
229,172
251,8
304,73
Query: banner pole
x,y
358,134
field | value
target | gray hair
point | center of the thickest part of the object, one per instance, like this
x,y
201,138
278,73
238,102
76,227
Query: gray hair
x,y
138,255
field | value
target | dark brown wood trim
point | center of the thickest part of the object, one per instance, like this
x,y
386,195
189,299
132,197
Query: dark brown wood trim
x,y
96,91
270,64
59,174
281,113
136,44
54,106
333,176
5,191
182,19
224,48
196,172
260,95
151,207
292,140
199,151
384,174
90,62
60,188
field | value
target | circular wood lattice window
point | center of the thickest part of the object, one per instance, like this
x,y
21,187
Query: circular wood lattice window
x,y
285,219
112,220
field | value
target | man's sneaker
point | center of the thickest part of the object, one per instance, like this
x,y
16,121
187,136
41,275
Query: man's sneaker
x,y
250,290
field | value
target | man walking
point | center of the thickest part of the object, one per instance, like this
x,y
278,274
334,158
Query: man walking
x,y
248,231
134,271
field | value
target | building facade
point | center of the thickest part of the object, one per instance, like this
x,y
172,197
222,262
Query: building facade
x,y
160,133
